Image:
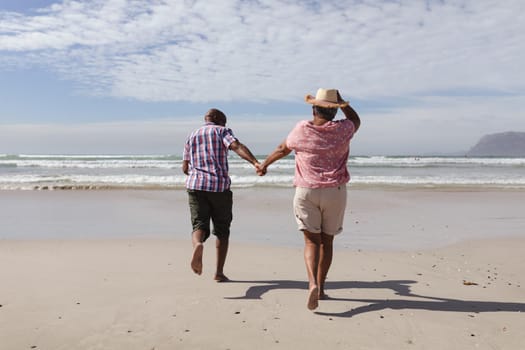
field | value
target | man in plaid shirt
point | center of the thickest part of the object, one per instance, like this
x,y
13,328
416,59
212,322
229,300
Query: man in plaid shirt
x,y
205,161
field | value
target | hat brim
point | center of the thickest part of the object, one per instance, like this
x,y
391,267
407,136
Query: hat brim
x,y
326,104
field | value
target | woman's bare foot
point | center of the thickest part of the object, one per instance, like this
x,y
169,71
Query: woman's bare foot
x,y
221,278
196,259
313,298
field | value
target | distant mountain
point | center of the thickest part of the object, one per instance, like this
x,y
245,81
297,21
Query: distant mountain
x,y
510,144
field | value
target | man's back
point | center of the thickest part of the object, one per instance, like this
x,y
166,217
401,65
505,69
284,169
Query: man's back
x,y
206,150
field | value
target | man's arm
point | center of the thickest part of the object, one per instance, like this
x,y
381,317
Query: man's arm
x,y
185,167
350,113
244,152
280,152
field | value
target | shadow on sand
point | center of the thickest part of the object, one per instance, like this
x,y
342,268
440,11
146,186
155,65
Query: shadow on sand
x,y
399,287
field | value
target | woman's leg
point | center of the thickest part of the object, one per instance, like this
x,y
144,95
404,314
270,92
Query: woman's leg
x,y
312,245
325,260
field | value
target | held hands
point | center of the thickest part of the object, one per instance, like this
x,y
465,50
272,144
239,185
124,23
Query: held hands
x,y
260,169
281,151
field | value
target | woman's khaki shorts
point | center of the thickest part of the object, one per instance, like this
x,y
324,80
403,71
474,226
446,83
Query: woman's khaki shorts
x,y
320,209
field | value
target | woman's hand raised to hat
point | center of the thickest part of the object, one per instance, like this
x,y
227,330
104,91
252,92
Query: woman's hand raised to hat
x,y
339,98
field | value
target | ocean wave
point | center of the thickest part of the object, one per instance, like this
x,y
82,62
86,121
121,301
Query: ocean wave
x,y
173,162
385,161
32,182
123,163
91,157
96,164
126,181
438,181
8,165
164,171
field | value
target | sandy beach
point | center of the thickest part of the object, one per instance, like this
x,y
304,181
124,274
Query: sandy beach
x,y
413,269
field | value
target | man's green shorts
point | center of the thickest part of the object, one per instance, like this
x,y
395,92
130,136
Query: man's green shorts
x,y
216,206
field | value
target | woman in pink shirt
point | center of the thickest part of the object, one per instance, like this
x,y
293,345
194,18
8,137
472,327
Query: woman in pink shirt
x,y
321,148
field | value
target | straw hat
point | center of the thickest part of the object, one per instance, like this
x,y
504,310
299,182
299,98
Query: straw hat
x,y
325,98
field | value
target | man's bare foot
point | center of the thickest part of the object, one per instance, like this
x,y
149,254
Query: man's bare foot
x,y
323,296
196,259
313,298
221,278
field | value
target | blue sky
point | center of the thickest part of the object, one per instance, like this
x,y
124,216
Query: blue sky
x,y
121,76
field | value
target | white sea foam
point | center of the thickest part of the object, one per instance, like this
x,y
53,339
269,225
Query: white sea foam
x,y
164,171
171,162
434,161
437,181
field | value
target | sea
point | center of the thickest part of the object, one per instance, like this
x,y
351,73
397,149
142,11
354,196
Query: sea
x,y
91,172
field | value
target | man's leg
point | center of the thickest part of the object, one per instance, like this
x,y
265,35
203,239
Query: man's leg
x,y
222,251
312,244
221,216
200,220
325,260
197,239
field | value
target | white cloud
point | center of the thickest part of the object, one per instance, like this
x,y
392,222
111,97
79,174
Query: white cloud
x,y
272,49
134,137
126,137
447,71
442,126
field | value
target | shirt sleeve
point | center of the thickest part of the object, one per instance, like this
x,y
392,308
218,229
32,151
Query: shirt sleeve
x,y
228,138
349,127
291,139
186,151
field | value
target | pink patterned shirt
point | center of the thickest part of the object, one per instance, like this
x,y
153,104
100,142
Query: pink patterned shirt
x,y
321,153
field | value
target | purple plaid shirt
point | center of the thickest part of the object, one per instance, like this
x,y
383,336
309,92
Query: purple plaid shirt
x,y
206,150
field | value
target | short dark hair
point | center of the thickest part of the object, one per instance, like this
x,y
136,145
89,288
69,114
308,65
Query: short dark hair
x,y
325,113
215,116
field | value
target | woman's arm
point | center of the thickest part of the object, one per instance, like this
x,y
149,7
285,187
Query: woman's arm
x,y
350,113
280,152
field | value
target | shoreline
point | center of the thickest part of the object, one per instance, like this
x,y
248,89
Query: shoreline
x,y
180,187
